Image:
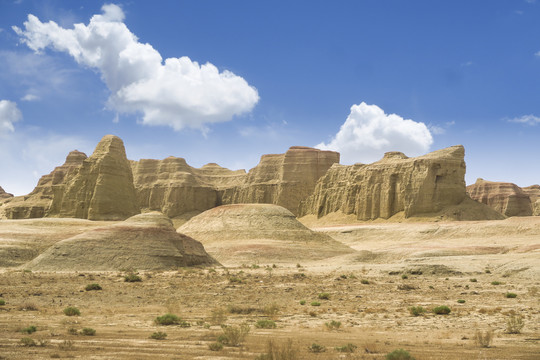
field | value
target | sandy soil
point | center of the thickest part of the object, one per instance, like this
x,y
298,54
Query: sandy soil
x,y
396,266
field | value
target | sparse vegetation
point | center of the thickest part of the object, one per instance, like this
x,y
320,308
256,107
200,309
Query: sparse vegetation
x,y
496,283
132,277
473,280
417,310
28,306
315,303
461,301
91,287
265,324
349,348
168,319
215,346
333,325
510,295
234,335
399,354
404,276
72,311
26,341
316,348
2,302
364,281
158,335
88,332
483,339
514,324
302,302
275,351
271,311
218,316
324,296
442,310
29,330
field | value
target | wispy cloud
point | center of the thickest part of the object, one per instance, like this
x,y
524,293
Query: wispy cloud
x,y
9,114
526,119
175,92
467,64
30,97
537,54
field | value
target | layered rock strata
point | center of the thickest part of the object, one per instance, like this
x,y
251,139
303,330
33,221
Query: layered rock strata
x,y
534,194
506,198
421,185
143,242
4,195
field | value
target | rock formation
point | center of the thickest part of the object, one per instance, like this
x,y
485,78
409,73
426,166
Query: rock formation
x,y
534,194
506,198
282,179
248,233
421,185
37,204
143,242
4,195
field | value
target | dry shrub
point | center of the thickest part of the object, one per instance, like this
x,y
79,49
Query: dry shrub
x,y
234,335
514,324
271,311
218,316
28,306
275,351
483,339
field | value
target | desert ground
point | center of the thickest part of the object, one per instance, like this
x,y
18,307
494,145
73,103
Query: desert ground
x,y
351,306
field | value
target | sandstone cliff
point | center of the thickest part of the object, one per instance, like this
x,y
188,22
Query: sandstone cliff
x,y
534,194
37,204
101,188
282,179
506,198
4,195
421,185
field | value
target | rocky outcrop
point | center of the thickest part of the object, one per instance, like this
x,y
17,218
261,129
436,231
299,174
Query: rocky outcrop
x,y
534,194
4,195
175,188
506,198
101,188
421,185
282,179
143,242
252,233
37,204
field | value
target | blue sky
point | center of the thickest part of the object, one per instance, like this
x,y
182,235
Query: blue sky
x,y
228,81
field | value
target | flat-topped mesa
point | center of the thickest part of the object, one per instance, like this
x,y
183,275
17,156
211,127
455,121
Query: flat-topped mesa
x,y
282,179
38,203
506,198
420,185
534,194
101,188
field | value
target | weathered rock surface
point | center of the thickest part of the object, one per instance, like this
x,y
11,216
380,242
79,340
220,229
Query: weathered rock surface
x,y
37,204
506,198
143,242
249,233
421,185
534,194
4,195
282,179
101,188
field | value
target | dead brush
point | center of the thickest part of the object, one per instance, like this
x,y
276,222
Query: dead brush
x,y
514,324
276,351
483,338
218,316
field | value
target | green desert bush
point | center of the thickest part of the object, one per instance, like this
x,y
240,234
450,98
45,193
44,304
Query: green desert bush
x,y
91,287
496,283
234,335
364,281
461,301
441,310
159,335
168,319
473,280
302,302
333,325
315,303
324,296
72,311
349,348
514,324
2,302
29,330
265,324
88,332
417,310
510,295
399,354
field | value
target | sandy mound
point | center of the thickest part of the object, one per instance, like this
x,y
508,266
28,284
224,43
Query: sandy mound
x,y
142,242
253,233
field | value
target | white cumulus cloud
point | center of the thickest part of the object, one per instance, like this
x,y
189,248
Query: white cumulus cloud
x,y
526,119
9,114
175,92
368,133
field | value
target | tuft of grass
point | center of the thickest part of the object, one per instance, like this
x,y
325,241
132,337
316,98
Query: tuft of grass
x,y
496,283
483,339
91,287
132,278
265,324
26,341
302,302
514,324
364,281
404,276
88,332
72,311
215,346
417,310
315,303
333,325
349,348
159,335
234,335
399,354
29,330
167,319
275,351
473,280
510,295
324,296
28,306
316,348
442,310
236,280
461,301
